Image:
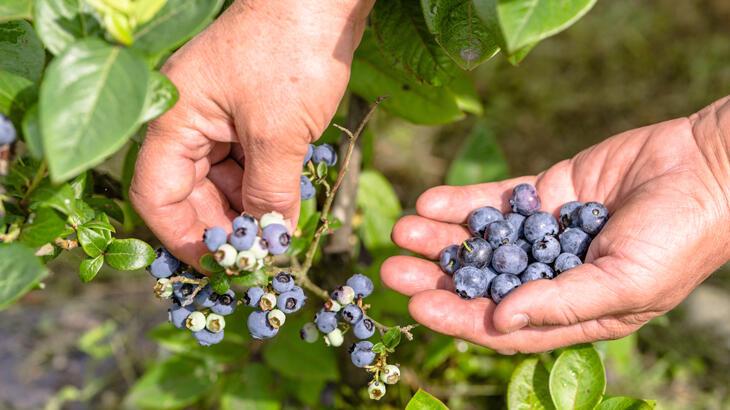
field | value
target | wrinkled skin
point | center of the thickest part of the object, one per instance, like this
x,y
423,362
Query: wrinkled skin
x,y
257,86
667,187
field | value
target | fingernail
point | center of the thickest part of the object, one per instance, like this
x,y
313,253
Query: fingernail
x,y
518,322
507,352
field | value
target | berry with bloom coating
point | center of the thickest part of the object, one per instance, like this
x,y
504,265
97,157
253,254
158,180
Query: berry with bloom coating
x,y
390,374
277,238
226,255
540,225
324,153
535,271
177,315
448,259
509,259
480,218
215,323
361,353
500,233
207,338
334,338
524,245
525,199
271,218
195,321
361,284
325,321
276,318
7,131
245,221
502,285
593,216
252,297
475,252
226,303
206,297
575,241
471,282
214,238
282,282
309,332
164,264
243,238
351,313
308,155
569,217
306,189
344,295
376,390
566,261
517,221
259,327
546,249
291,301
364,329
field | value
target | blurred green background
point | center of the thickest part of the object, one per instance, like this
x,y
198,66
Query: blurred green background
x,y
626,64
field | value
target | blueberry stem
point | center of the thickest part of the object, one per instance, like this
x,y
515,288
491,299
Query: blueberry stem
x,y
39,175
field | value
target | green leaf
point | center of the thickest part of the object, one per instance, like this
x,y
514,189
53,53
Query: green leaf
x,y
321,170
82,213
161,96
81,184
402,33
250,389
90,267
479,159
208,263
623,403
60,23
94,241
94,93
247,280
15,10
17,95
107,206
381,208
466,96
525,22
425,401
144,10
391,338
287,355
373,76
520,54
59,197
32,133
42,227
378,348
21,52
528,388
460,32
129,254
577,379
178,21
96,342
219,282
20,271
175,383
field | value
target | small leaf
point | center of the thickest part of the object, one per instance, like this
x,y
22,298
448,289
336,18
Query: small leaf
x,y
15,10
247,280
391,338
59,197
32,133
129,254
208,263
17,95
42,227
90,267
93,241
82,213
219,282
480,159
577,379
161,96
60,23
21,52
623,403
425,401
379,348
528,388
20,271
321,170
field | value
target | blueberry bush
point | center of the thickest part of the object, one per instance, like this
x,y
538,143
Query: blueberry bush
x,y
79,81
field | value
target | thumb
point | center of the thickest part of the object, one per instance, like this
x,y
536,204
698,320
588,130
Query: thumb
x,y
271,178
584,293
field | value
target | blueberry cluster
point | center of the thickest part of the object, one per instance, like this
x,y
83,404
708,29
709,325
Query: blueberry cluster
x,y
7,131
526,244
280,298
195,306
316,154
249,242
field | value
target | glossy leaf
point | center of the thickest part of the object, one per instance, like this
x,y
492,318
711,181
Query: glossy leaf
x,y
460,31
90,267
380,207
373,76
401,32
624,403
391,338
175,383
161,96
17,95
480,159
528,388
42,227
129,254
21,52
94,241
423,400
251,389
59,197
95,93
20,271
15,10
209,264
60,23
178,21
577,379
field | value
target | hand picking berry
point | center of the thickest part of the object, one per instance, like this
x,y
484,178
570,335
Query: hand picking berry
x,y
526,244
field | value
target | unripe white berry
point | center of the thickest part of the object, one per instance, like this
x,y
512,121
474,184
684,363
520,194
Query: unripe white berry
x,y
276,318
345,295
246,260
268,301
260,251
215,323
332,305
271,218
226,255
390,374
195,321
163,288
334,338
376,390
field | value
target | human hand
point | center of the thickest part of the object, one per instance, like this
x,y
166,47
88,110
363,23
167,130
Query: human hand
x,y
256,87
667,187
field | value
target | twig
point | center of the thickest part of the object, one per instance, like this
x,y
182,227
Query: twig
x,y
405,330
39,175
302,274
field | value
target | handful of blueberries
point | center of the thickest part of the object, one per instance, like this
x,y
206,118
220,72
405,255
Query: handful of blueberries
x,y
508,250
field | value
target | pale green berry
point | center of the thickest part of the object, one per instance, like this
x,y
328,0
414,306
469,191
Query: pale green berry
x,y
246,260
163,288
276,318
195,321
334,338
215,323
271,218
268,301
390,374
259,250
309,332
226,255
376,390
332,305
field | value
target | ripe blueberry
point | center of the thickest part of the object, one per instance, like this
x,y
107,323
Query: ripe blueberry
x,y
361,284
214,237
364,329
525,200
7,131
177,315
546,249
308,155
502,285
471,282
517,221
475,252
361,353
306,189
324,153
593,216
205,298
575,241
325,321
448,260
566,261
252,297
540,225
500,233
291,300
226,303
243,238
282,282
509,259
351,313
259,327
569,217
535,271
524,245
480,218
164,264
277,238
207,338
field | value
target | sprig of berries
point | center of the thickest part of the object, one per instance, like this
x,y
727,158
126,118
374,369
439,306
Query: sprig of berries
x,y
316,163
273,302
506,251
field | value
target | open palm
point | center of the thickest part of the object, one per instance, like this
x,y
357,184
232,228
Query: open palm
x,y
667,204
